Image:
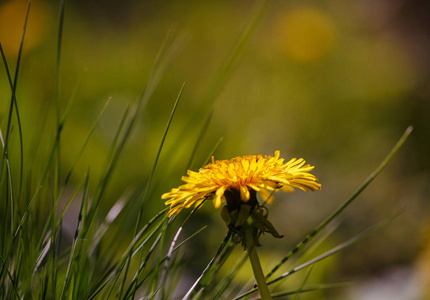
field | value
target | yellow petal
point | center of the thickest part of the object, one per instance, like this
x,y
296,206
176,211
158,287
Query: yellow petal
x,y
218,196
244,193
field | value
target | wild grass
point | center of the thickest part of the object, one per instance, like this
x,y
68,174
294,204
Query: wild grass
x,y
36,260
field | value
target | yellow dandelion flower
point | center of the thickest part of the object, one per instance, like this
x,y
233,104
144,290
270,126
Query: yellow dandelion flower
x,y
242,176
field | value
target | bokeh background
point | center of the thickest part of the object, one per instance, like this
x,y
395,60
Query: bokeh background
x,y
335,82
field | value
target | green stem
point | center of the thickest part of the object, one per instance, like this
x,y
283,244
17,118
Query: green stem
x,y
256,266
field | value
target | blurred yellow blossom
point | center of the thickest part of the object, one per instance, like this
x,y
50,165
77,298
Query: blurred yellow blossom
x,y
306,34
12,18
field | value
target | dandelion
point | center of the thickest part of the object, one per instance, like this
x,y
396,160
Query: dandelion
x,y
236,183
222,180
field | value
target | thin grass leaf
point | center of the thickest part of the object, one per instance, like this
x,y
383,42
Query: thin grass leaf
x,y
227,67
206,282
69,201
311,289
46,247
113,213
224,243
208,159
202,133
329,253
305,280
371,177
162,261
151,174
10,278
12,198
14,103
57,166
109,164
189,238
142,265
172,247
137,244
223,286
23,218
76,236
91,131
223,74
27,211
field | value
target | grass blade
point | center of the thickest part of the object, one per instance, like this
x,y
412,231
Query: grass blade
x,y
192,290
311,289
75,239
85,142
371,177
336,249
297,296
151,174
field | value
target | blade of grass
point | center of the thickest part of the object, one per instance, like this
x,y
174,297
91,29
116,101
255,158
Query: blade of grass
x,y
224,243
76,236
14,103
168,50
202,133
311,289
171,249
142,265
91,131
371,177
336,249
69,201
12,198
162,261
297,296
221,139
53,256
224,72
10,278
227,281
142,200
115,272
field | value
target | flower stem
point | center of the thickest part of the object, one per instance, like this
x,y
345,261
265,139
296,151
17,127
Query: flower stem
x,y
256,266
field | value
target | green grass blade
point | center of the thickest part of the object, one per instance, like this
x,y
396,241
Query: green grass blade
x,y
311,289
331,252
202,133
12,198
224,72
227,281
76,236
78,156
137,244
371,177
218,143
305,280
133,286
151,174
13,102
188,238
193,288
15,288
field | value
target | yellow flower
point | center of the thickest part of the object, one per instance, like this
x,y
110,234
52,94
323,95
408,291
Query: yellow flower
x,y
262,174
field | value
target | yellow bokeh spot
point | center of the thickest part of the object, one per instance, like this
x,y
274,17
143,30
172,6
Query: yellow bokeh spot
x,y
306,34
12,18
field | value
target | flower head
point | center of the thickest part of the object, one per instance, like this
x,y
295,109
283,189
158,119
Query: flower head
x,y
244,175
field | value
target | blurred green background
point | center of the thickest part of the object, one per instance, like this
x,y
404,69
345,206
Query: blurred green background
x,y
335,82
